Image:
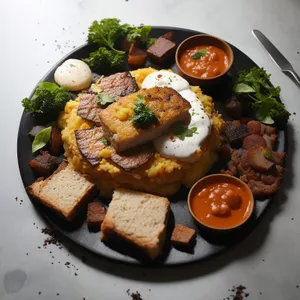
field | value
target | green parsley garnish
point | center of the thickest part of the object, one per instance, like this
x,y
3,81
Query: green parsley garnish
x,y
143,116
104,141
104,100
199,54
268,154
182,132
72,66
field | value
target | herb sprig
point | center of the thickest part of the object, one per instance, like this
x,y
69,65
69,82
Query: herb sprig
x,y
199,54
183,132
143,116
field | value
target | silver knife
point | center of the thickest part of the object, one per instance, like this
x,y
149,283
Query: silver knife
x,y
276,56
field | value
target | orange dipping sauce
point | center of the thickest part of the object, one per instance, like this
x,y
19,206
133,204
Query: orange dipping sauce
x,y
210,61
221,204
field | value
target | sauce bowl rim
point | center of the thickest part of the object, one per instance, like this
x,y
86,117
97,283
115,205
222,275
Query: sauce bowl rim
x,y
199,36
251,201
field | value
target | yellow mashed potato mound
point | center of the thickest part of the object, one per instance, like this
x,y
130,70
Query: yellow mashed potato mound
x,y
160,175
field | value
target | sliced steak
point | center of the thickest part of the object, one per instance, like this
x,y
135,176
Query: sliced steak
x,y
89,144
44,164
133,158
118,85
88,108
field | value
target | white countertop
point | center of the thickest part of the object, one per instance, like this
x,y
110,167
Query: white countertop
x,y
267,262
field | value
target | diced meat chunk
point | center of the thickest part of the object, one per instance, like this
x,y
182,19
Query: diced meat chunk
x,y
95,214
162,50
44,164
136,57
88,108
235,132
257,158
56,143
89,143
253,140
183,236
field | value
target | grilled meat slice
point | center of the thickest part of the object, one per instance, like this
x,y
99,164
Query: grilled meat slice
x,y
44,164
134,158
118,85
88,108
258,159
167,105
89,143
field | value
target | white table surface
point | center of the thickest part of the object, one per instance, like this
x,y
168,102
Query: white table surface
x,y
267,262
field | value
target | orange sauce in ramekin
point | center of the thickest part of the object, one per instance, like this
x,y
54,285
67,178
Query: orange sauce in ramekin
x,y
211,64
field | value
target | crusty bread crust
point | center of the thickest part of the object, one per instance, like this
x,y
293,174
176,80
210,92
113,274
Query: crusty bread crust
x,y
35,190
151,244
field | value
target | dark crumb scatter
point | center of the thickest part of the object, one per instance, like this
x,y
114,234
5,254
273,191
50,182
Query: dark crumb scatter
x,y
238,293
298,52
57,294
16,198
75,274
292,219
39,247
297,286
40,292
134,296
260,293
26,253
43,44
67,263
52,263
263,260
294,113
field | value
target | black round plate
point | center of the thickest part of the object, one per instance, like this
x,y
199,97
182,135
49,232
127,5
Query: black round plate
x,y
207,244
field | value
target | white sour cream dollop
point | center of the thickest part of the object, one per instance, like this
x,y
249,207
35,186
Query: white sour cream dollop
x,y
74,75
188,149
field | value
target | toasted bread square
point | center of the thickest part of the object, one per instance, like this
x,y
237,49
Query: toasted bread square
x,y
138,218
66,191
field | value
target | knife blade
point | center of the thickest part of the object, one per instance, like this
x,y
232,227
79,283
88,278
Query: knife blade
x,y
282,63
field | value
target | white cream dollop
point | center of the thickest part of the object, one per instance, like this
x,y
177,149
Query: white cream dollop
x,y
74,75
169,145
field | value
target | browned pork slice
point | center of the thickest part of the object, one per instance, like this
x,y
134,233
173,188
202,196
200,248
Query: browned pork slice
x,y
116,85
166,106
91,141
253,140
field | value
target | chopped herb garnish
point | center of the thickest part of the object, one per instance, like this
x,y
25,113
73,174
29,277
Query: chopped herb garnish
x,y
199,54
104,141
143,116
72,66
182,132
268,154
104,99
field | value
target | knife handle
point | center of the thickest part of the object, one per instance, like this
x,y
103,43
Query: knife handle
x,y
295,76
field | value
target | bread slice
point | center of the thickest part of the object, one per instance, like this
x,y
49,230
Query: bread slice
x,y
66,191
138,218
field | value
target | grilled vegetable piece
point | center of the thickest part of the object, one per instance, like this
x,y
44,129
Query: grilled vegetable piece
x,y
136,57
260,158
167,105
44,164
253,140
89,144
88,108
35,130
161,51
95,214
235,132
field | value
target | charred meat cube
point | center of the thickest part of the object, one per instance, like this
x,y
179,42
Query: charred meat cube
x,y
89,144
162,50
118,85
88,108
56,143
95,214
183,236
235,132
44,164
168,36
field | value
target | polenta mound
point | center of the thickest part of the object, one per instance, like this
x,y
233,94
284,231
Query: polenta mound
x,y
162,176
